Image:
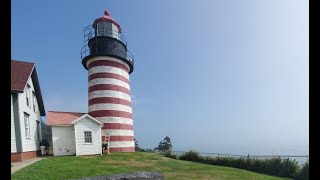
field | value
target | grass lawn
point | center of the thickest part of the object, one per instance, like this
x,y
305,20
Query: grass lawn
x,y
72,167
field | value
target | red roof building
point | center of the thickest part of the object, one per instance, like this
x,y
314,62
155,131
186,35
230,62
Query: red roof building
x,y
55,118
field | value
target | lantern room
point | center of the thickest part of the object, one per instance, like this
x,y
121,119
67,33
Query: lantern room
x,y
104,38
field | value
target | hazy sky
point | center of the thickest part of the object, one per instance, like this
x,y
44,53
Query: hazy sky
x,y
216,76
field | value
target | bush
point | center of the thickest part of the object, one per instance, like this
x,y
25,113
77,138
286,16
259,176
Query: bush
x,y
303,174
169,154
138,149
274,166
191,156
256,165
150,150
289,168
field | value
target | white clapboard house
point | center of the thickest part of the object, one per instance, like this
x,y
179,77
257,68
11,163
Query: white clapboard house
x,y
26,110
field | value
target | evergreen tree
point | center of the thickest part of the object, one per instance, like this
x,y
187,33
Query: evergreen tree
x,y
164,145
167,143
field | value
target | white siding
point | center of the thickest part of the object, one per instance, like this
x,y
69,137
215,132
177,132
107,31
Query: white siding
x,y
111,81
109,106
118,132
109,69
63,140
82,148
31,144
13,132
109,93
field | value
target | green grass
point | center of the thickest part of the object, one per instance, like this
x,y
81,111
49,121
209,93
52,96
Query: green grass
x,y
72,167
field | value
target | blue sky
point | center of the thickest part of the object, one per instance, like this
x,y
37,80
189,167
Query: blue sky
x,y
216,76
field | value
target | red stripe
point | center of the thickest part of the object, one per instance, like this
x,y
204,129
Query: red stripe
x,y
109,87
117,126
108,63
119,138
122,149
109,100
108,75
114,113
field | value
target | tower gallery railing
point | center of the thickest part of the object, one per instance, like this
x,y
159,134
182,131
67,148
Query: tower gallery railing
x,y
89,32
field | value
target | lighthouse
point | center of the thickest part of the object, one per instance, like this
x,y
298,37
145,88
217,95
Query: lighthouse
x,y
109,64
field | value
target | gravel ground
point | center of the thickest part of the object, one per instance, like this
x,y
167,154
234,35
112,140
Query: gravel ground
x,y
139,175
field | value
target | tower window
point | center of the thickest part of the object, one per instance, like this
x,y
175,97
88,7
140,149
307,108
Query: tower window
x,y
104,29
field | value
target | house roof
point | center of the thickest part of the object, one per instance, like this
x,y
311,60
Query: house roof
x,y
20,72
58,118
88,116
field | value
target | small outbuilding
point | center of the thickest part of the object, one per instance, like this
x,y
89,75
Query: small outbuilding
x,y
74,133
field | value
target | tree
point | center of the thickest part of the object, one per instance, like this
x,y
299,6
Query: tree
x,y
46,132
137,148
164,145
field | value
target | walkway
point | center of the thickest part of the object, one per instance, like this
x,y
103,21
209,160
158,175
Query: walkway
x,y
15,166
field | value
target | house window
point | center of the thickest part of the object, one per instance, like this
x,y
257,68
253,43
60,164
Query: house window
x,y
27,126
28,95
87,137
38,130
34,101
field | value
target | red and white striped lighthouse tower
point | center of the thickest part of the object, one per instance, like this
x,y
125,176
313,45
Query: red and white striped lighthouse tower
x,y
109,64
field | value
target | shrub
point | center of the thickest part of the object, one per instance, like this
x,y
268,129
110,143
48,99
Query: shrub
x,y
191,156
274,166
279,167
169,154
150,150
140,150
303,174
289,168
257,165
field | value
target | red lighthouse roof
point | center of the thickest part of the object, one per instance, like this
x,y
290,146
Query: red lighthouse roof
x,y
107,18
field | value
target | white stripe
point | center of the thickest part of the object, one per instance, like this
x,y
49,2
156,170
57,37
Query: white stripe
x,y
120,120
109,93
115,144
99,58
109,81
108,69
117,132
108,106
